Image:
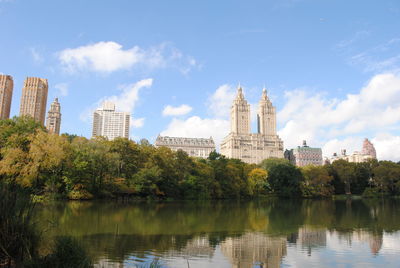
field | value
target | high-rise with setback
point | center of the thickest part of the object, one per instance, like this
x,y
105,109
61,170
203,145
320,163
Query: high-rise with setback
x,y
34,98
53,120
6,90
109,123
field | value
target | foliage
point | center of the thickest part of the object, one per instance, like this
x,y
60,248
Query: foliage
x,y
18,237
317,182
285,179
74,167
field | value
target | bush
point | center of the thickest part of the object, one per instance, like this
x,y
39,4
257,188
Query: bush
x,y
18,237
373,192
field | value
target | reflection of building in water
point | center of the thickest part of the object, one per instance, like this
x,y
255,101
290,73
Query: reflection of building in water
x,y
375,240
196,247
311,238
253,249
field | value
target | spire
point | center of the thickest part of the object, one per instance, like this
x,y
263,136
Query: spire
x,y
264,96
239,92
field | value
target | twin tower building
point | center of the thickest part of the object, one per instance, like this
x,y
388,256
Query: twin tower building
x,y
33,101
252,147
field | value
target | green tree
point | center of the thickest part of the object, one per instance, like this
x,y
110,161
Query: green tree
x,y
285,179
267,164
317,181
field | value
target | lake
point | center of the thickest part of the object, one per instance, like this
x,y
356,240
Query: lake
x,y
268,233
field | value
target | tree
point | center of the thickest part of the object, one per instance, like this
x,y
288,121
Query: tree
x,y
267,164
387,177
285,179
258,181
317,181
345,172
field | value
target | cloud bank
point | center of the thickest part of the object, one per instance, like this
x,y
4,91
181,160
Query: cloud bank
x,y
110,56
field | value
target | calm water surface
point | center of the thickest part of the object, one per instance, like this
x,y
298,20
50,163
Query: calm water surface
x,y
273,233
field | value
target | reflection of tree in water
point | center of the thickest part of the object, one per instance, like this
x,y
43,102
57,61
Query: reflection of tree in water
x,y
254,249
120,231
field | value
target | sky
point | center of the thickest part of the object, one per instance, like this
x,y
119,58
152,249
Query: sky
x,y
331,67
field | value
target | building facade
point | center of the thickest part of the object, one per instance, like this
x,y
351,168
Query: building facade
x,y
304,155
252,147
34,98
368,152
6,90
53,120
109,123
195,147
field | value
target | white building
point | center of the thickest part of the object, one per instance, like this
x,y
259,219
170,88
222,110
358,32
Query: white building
x,y
247,146
195,147
368,152
109,123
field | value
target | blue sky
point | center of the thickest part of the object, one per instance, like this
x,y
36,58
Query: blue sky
x,y
331,67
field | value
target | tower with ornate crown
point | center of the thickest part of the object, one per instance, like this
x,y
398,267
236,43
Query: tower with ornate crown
x,y
247,146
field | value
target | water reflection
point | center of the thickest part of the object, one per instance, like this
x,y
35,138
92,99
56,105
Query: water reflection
x,y
271,233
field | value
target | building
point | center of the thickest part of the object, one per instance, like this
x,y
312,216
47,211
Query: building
x,y
109,123
368,152
368,149
53,120
304,155
6,90
195,147
254,249
252,147
34,98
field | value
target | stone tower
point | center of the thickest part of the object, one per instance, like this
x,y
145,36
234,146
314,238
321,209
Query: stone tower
x,y
34,98
6,90
240,114
266,117
252,147
53,121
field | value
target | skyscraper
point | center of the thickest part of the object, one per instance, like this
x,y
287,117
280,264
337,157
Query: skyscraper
x,y
109,123
34,98
247,146
53,120
6,90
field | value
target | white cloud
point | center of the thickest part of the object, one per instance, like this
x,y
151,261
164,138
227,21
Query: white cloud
x,y
387,146
62,89
175,111
107,57
219,104
129,97
322,120
197,127
37,57
126,102
137,123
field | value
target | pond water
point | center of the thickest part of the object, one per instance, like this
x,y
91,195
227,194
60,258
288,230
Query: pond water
x,y
270,233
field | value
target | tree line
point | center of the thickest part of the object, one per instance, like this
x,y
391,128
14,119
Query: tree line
x,y
74,167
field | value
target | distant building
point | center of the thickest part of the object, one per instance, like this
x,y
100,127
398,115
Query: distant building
x,y
195,147
53,120
252,147
109,123
368,152
304,155
6,90
34,98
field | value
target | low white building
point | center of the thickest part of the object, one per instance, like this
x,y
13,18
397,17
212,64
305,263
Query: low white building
x,y
195,147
